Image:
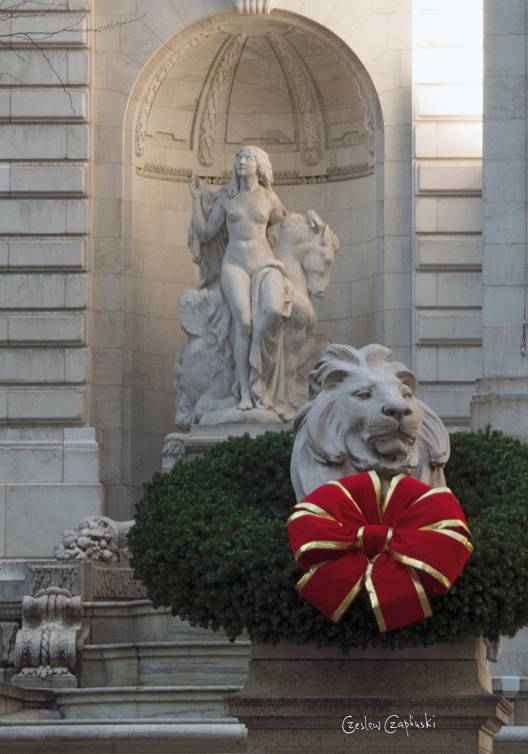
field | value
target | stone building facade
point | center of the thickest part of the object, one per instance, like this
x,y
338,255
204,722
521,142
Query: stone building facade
x,y
102,125
384,116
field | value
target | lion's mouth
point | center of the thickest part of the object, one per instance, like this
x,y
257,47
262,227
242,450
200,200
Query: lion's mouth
x,y
393,445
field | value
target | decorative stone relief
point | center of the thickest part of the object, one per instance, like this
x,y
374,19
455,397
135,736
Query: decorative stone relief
x,y
353,75
280,85
173,449
367,115
250,322
96,538
306,100
63,577
117,584
7,642
48,650
362,416
283,177
224,73
254,7
148,100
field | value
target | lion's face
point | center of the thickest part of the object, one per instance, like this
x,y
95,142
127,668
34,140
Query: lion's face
x,y
383,421
363,415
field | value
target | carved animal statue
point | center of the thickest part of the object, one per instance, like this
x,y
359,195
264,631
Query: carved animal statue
x,y
307,248
304,247
363,416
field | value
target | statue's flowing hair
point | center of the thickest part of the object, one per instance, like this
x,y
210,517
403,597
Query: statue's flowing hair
x,y
264,171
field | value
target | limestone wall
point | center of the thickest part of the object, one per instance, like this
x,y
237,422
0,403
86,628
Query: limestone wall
x,y
44,219
501,398
49,464
93,242
447,181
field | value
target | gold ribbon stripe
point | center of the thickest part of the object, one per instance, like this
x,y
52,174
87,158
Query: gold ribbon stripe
x,y
347,493
434,491
449,522
323,545
308,575
359,540
351,596
392,487
414,563
455,535
426,607
374,597
377,488
315,510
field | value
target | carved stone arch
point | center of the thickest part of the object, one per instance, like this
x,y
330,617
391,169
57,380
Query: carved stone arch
x,y
265,76
318,102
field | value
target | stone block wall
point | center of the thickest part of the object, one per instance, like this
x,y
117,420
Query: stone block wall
x,y
502,395
447,327
49,459
92,250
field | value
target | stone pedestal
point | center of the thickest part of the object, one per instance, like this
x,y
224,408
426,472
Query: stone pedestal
x,y
301,700
49,481
503,403
201,437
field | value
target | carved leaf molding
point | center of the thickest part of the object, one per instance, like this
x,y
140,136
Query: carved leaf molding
x,y
306,101
223,74
148,99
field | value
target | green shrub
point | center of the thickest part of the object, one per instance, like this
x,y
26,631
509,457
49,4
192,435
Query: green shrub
x,y
210,541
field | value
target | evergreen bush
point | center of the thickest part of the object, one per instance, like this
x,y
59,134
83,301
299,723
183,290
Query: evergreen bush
x,y
210,541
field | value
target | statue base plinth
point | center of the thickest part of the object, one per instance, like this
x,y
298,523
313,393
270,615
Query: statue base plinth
x,y
202,436
59,681
234,415
304,700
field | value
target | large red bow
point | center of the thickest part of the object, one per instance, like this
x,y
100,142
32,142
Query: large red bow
x,y
344,534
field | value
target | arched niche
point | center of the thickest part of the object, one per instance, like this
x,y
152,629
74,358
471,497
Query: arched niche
x,y
283,83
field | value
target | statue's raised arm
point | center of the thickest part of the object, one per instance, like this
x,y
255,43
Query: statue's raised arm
x,y
207,239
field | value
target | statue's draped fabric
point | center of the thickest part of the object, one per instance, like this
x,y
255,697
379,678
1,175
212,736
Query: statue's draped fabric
x,y
400,549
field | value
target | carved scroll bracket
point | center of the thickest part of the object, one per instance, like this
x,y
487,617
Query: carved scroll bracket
x,y
48,650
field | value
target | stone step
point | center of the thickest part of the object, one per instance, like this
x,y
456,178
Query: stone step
x,y
185,663
133,621
511,740
138,702
123,737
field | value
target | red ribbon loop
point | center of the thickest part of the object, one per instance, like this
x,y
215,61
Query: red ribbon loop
x,y
401,548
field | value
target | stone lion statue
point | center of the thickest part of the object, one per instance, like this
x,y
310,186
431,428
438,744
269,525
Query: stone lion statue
x,y
362,416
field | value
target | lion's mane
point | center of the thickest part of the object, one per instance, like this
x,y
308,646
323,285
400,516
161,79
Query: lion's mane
x,y
328,442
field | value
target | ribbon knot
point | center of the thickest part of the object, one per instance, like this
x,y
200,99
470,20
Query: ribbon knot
x,y
374,539
401,548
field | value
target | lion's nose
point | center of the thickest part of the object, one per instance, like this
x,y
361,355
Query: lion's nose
x,y
396,409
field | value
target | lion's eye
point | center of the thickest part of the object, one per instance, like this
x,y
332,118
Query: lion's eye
x,y
363,394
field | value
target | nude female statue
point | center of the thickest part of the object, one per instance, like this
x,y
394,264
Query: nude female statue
x,y
248,206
